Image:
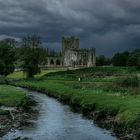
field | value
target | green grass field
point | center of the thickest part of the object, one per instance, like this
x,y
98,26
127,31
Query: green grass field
x,y
10,96
98,91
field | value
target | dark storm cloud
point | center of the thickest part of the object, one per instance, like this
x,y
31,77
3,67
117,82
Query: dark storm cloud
x,y
107,25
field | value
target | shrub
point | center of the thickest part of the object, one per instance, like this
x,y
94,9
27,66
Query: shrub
x,y
135,91
128,81
3,80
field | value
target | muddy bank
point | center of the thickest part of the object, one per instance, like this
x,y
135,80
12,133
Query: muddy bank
x,y
104,120
18,117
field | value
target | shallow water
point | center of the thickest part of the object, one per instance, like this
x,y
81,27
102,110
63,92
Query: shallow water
x,y
57,122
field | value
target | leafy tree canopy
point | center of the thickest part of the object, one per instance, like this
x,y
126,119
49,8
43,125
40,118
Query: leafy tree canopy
x,y
7,56
32,55
120,59
134,58
102,61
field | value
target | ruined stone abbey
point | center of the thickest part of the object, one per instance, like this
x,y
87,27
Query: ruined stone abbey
x,y
73,55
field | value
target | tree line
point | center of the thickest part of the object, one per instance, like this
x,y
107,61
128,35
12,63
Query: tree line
x,y
121,59
30,54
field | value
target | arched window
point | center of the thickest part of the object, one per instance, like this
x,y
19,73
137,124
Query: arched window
x,y
57,62
52,62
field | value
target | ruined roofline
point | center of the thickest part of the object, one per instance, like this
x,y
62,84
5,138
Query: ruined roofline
x,y
70,38
82,49
73,38
58,57
87,49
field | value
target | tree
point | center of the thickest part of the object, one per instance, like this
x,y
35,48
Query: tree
x,y
7,56
138,62
32,55
102,61
120,59
53,53
134,59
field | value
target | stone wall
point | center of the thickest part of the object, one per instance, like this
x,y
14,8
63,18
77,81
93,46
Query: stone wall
x,y
73,56
70,43
54,61
81,57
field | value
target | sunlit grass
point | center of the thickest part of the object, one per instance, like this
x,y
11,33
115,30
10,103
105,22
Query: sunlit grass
x,y
17,75
21,74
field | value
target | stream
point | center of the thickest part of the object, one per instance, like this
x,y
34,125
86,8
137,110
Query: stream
x,y
56,121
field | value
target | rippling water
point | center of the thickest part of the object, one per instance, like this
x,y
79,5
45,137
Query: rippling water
x,y
57,122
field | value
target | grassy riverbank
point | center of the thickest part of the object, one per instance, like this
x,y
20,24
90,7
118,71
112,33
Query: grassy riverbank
x,y
10,96
13,107
111,95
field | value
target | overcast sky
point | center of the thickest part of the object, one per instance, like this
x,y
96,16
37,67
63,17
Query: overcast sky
x,y
107,25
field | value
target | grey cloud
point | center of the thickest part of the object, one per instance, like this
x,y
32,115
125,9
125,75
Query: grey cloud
x,y
107,25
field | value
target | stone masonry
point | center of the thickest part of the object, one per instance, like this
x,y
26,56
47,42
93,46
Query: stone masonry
x,y
73,56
